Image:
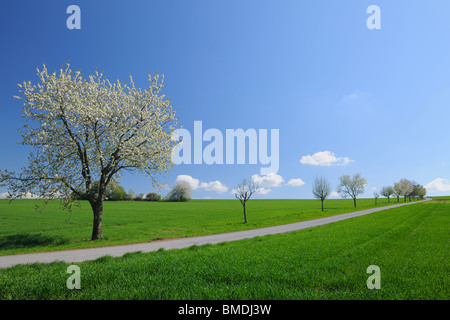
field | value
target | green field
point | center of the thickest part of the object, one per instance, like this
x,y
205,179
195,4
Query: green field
x,y
24,230
410,245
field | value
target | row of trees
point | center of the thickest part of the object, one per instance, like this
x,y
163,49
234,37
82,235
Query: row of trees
x,y
403,188
181,191
116,192
355,185
347,187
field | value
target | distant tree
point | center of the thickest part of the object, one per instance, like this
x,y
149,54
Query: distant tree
x,y
419,191
139,197
245,189
398,190
406,187
321,189
180,192
352,187
422,192
131,195
387,192
118,193
152,197
376,195
107,194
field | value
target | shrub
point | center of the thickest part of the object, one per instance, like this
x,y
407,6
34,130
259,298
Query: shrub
x,y
152,197
180,192
139,197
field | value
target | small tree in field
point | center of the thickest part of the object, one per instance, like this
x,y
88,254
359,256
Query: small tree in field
x,y
244,191
387,192
407,188
421,192
321,189
398,190
131,195
83,130
180,192
352,187
376,195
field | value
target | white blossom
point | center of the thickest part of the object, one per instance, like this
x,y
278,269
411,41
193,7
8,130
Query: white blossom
x,y
83,130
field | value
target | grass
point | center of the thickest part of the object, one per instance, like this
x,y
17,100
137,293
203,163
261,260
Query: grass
x,y
23,230
410,245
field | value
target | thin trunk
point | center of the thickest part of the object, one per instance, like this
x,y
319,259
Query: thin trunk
x,y
97,208
322,204
354,202
389,200
375,201
245,214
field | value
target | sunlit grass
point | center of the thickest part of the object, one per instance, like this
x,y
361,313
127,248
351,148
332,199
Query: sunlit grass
x,y
410,245
22,229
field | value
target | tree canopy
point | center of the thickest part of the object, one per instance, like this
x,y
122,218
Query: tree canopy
x,y
83,130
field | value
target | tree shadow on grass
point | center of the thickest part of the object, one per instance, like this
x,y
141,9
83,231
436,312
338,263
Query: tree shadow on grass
x,y
26,240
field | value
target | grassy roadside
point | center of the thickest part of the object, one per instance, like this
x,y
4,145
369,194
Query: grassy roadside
x,y
409,244
23,230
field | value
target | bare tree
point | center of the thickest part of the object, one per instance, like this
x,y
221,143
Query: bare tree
x,y
376,195
244,191
351,186
321,189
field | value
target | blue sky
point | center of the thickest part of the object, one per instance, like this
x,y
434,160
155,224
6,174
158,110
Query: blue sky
x,y
376,100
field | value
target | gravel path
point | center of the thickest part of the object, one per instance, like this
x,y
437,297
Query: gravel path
x,y
79,255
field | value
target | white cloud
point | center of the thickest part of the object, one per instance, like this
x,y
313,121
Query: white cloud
x,y
351,98
216,186
270,180
195,184
324,158
438,185
296,182
264,190
334,194
4,195
260,191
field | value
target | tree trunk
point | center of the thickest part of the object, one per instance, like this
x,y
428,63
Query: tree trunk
x,y
354,202
97,208
375,201
245,214
322,204
389,200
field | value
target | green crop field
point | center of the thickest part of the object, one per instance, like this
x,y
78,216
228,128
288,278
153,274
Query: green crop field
x,y
409,244
24,230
